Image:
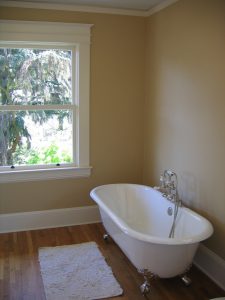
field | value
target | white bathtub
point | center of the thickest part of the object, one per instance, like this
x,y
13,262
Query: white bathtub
x,y
136,217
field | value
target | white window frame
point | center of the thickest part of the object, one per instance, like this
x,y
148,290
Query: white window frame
x,y
75,37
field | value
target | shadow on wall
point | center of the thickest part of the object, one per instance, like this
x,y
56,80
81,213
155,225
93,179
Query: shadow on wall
x,y
189,189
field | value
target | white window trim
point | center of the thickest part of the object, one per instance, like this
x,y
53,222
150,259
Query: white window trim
x,y
65,35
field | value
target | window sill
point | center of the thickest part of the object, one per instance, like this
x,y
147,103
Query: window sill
x,y
44,174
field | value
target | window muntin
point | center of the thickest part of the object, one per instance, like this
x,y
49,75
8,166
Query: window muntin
x,y
37,88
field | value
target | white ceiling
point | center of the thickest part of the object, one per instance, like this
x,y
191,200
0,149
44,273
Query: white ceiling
x,y
141,5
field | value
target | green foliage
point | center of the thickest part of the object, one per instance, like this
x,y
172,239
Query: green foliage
x,y
49,155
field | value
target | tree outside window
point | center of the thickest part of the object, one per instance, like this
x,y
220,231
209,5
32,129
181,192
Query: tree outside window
x,y
35,99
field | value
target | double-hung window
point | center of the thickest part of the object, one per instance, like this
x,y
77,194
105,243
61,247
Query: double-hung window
x,y
44,100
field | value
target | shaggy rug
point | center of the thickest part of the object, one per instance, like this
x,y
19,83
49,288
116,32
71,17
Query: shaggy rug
x,y
76,272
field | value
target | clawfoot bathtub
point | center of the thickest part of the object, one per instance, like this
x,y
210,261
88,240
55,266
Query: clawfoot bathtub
x,y
139,219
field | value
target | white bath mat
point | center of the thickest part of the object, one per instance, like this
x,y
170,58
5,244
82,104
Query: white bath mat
x,y
76,272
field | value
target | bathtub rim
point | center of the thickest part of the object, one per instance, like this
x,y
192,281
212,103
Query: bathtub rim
x,y
145,237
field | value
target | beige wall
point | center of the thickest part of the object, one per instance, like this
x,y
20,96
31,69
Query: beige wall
x,y
117,94
185,106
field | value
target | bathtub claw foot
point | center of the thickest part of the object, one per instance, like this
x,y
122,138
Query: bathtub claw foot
x,y
145,288
186,280
106,237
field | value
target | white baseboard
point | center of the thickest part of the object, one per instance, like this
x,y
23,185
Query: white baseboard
x,y
211,264
49,218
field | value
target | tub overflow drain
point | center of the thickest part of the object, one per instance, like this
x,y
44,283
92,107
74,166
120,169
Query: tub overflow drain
x,y
170,211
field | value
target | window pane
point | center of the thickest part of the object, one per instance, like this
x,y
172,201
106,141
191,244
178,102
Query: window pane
x,y
35,137
35,76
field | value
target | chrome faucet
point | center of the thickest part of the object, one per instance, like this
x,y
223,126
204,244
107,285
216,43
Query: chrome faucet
x,y
168,186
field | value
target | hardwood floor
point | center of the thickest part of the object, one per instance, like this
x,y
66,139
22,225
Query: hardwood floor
x,y
20,276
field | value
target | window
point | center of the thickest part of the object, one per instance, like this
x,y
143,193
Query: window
x,y
44,100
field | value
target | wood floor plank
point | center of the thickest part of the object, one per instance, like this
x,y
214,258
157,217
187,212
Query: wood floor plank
x,y
20,277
